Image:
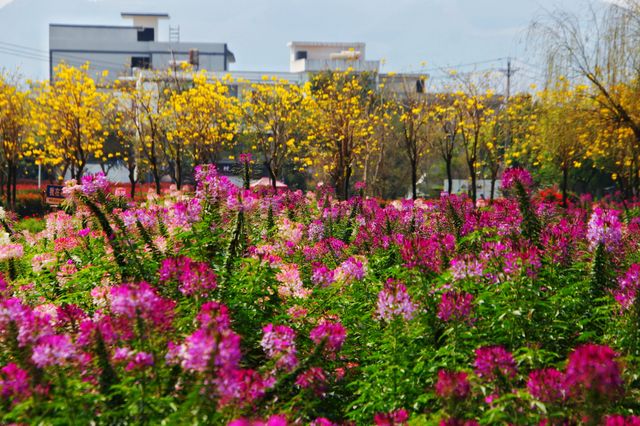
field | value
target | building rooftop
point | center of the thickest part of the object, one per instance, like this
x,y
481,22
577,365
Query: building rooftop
x,y
139,15
326,43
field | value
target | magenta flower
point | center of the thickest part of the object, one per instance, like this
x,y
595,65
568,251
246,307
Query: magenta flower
x,y
14,383
593,370
394,302
321,275
323,421
313,378
94,183
515,174
352,269
193,278
604,228
54,349
393,418
279,343
240,386
458,422
618,420
493,362
452,385
245,158
275,420
455,306
332,333
131,300
547,385
466,267
628,286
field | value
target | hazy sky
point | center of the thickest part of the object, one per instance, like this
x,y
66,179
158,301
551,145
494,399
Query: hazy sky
x,y
403,32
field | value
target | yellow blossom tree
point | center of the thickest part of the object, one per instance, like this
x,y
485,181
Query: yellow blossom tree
x,y
201,121
14,128
446,141
68,117
476,115
416,122
563,133
341,126
276,118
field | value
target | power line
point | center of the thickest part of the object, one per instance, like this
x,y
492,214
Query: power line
x,y
468,64
71,58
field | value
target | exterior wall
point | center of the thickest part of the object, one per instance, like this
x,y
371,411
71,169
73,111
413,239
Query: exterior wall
x,y
319,57
483,187
310,65
111,48
323,51
404,84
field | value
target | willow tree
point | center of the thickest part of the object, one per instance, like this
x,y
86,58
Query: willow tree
x,y
601,47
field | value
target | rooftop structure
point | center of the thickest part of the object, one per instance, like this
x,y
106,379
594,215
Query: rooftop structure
x,y
308,56
121,49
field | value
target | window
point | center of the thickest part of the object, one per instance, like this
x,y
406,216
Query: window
x,y
419,85
145,34
301,54
143,62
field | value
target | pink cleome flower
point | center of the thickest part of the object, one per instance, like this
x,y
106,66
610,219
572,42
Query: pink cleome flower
x,y
394,302
493,362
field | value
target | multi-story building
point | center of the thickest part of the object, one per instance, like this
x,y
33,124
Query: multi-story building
x,y
123,49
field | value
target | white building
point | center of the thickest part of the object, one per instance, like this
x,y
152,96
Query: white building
x,y
313,56
122,49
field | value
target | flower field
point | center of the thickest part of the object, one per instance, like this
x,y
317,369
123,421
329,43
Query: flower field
x,y
228,306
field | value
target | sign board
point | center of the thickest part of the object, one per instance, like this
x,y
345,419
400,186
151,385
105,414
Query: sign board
x,y
53,195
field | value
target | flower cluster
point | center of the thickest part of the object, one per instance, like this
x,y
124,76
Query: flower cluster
x,y
493,362
279,343
394,302
193,278
452,385
604,228
455,306
515,175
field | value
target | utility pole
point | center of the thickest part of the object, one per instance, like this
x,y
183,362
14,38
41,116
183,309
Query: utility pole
x,y
509,72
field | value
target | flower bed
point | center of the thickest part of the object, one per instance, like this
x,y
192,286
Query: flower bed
x,y
232,307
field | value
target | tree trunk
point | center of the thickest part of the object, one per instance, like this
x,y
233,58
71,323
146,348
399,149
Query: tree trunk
x,y
178,172
14,188
565,184
273,179
472,175
414,179
494,177
347,177
132,181
156,180
9,182
448,161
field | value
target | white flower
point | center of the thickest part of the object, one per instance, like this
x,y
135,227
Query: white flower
x,y
3,214
4,238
